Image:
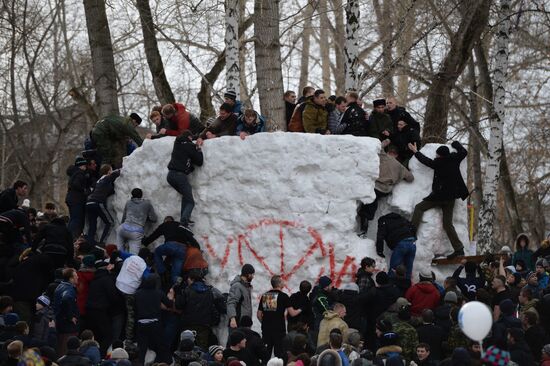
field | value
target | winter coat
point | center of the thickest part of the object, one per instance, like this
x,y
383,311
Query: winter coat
x,y
354,121
184,156
545,361
130,276
74,358
378,123
200,304
255,346
85,276
180,120
433,335
378,300
239,301
31,278
391,173
447,182
401,139
8,200
65,308
78,186
256,127
364,280
536,337
401,114
299,300
524,253
314,117
543,251
90,350
392,228
57,239
442,317
469,285
115,128
172,231
321,301
18,219
408,338
226,127
103,294
334,119
296,121
386,352
521,354
289,109
423,295
184,358
330,321
104,187
137,211
501,326
148,299
354,309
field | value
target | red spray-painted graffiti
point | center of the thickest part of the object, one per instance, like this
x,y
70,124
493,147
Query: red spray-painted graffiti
x,y
243,242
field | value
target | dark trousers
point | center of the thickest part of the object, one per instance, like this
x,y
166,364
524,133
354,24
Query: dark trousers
x,y
77,213
180,182
149,336
176,252
447,208
95,210
100,323
273,342
203,335
366,212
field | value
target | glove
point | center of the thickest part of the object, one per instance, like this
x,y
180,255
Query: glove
x,y
381,254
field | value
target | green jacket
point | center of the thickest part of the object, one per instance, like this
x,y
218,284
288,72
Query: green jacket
x,y
117,128
408,339
314,117
379,122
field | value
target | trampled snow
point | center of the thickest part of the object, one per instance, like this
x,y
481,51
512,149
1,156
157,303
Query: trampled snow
x,y
286,203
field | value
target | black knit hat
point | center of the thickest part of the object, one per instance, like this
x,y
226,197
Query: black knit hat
x,y
80,161
135,117
442,151
230,94
236,337
247,269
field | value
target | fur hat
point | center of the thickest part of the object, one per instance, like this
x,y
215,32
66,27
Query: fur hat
x,y
443,151
378,102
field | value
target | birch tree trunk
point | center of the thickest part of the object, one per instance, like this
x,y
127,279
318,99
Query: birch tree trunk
x,y
324,45
474,21
103,61
232,46
352,49
154,60
339,43
306,39
269,75
494,154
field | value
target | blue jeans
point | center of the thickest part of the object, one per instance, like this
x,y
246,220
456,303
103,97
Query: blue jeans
x,y
77,213
403,253
179,181
93,211
176,252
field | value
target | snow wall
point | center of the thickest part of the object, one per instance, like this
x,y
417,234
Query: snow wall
x,y
286,203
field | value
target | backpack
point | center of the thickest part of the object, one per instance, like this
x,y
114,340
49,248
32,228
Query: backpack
x,y
296,124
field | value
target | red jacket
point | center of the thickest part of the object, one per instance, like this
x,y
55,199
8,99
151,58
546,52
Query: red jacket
x,y
181,119
423,295
84,279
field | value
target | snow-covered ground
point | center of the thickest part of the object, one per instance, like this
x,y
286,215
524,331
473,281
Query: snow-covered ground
x,y
286,203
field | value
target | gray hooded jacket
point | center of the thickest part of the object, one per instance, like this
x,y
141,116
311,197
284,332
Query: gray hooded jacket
x,y
137,211
239,301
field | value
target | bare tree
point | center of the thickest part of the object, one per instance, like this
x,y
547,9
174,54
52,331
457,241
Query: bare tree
x,y
269,75
160,82
306,39
232,73
351,50
473,22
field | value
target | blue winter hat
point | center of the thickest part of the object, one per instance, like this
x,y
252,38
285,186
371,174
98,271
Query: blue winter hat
x,y
10,319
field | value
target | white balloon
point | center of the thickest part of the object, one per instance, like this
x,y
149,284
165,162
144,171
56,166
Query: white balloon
x,y
475,320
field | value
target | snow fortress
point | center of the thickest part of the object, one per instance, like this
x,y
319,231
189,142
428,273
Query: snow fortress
x,y
286,203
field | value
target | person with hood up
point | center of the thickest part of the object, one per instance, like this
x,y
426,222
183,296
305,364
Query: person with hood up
x,y
447,186
506,321
469,285
137,212
523,252
78,190
148,300
239,301
423,295
89,347
332,319
250,122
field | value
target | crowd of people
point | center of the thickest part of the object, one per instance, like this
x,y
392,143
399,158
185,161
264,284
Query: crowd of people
x,y
70,298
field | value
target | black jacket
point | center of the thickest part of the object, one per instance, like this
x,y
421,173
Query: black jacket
x,y
148,299
31,278
447,183
392,228
521,354
378,300
199,303
434,336
401,139
104,187
299,300
255,346
57,239
289,109
172,231
354,309
78,186
74,358
8,200
19,219
536,337
355,120
469,285
103,294
443,317
400,114
184,156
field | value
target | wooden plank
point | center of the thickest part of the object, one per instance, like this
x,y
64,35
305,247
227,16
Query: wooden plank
x,y
473,258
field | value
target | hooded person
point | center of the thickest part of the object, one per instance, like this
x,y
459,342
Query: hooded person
x,y
469,285
423,295
522,252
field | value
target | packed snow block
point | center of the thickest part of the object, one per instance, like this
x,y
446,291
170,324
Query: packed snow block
x,y
284,202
